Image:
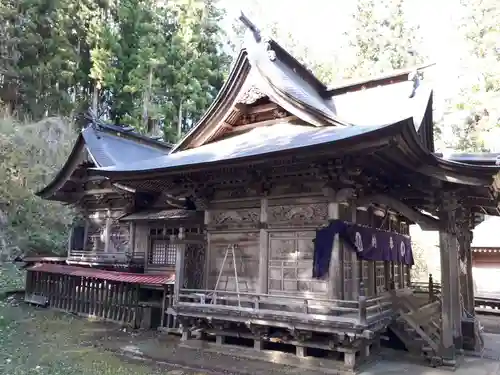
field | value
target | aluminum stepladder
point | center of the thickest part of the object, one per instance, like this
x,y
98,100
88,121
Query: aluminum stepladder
x,y
230,250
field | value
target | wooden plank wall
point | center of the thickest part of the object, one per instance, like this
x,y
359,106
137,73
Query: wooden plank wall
x,y
233,223
290,226
87,296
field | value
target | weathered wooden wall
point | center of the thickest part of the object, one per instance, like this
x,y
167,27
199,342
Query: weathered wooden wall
x,y
227,224
88,296
292,223
274,237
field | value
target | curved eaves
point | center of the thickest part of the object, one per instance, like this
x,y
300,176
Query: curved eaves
x,y
222,103
260,146
420,159
66,171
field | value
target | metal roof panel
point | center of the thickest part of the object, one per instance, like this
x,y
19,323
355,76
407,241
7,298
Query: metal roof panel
x,y
125,277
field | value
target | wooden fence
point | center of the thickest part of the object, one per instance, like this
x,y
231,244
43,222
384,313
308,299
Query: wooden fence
x,y
87,296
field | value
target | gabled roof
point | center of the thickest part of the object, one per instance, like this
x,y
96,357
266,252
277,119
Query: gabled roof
x,y
265,69
106,145
399,114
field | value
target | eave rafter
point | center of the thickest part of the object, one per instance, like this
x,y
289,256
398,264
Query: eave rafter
x,y
425,221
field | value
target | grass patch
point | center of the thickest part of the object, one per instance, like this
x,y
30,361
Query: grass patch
x,y
44,342
11,278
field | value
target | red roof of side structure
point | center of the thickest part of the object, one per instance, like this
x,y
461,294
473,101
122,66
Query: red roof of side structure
x,y
125,277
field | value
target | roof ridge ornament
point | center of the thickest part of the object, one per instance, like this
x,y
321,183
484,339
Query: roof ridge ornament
x,y
251,26
257,36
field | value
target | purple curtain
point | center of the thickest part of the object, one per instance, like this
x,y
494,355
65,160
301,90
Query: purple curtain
x,y
368,243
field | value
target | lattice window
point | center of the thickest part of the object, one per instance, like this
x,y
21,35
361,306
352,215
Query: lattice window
x,y
380,277
290,265
166,232
162,253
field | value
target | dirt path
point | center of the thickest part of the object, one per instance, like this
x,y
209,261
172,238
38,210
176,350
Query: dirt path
x,y
42,342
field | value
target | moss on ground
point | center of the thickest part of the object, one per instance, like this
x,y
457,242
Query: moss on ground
x,y
44,342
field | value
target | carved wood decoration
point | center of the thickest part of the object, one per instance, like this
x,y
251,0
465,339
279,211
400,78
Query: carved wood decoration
x,y
119,237
194,266
235,219
314,214
95,237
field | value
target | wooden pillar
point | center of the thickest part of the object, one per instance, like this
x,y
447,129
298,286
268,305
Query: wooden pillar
x,y
470,281
70,240
179,270
85,234
457,308
131,246
355,264
336,270
466,282
262,287
451,310
390,265
447,344
372,266
471,335
107,230
401,265
206,274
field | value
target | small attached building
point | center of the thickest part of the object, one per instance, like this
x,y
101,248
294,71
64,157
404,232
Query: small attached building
x,y
99,237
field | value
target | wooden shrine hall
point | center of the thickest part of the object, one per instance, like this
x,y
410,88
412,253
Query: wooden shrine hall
x,y
307,194
282,216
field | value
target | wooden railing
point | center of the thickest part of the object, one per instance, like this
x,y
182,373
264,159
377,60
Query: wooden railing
x,y
102,257
363,311
431,288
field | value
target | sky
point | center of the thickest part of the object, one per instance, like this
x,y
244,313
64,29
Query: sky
x,y
318,25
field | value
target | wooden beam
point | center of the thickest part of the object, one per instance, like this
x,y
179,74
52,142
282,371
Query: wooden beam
x,y
250,110
240,128
425,221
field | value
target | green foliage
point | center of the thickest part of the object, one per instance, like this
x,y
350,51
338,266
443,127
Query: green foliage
x,y
133,61
30,154
383,40
479,98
